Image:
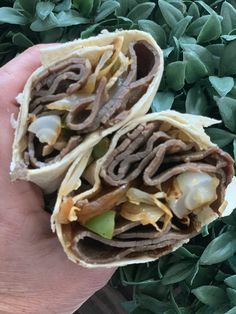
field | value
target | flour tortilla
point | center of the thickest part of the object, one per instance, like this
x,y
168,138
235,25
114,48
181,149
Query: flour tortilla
x,y
50,176
193,127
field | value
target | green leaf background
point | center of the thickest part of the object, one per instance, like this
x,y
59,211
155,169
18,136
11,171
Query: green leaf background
x,y
198,39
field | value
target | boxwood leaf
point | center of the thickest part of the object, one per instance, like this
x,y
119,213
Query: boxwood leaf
x,y
28,6
63,6
231,281
222,85
152,304
219,249
198,56
210,295
211,30
85,7
178,272
228,12
141,11
232,262
220,137
196,26
122,10
107,8
227,60
170,13
175,75
12,16
227,107
234,148
20,40
194,11
180,27
162,101
195,68
155,30
231,311
196,101
187,40
88,31
167,51
228,37
43,9
232,296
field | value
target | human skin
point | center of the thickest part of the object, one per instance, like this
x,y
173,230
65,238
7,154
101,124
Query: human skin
x,y
35,275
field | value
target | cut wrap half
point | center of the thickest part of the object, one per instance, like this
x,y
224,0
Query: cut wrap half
x,y
83,91
160,181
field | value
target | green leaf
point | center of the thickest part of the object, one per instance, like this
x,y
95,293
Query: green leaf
x,y
231,281
122,10
178,272
232,296
210,295
220,137
43,9
222,85
194,11
228,37
175,75
206,7
21,40
167,51
170,13
211,30
183,252
227,61
162,101
231,311
85,7
88,31
199,62
219,249
108,7
195,68
12,16
181,27
155,30
196,101
196,26
234,148
28,6
141,11
187,40
64,5
103,224
232,262
129,306
227,107
152,304
228,12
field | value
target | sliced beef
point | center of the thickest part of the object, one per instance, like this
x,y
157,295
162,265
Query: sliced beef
x,y
34,157
95,249
59,80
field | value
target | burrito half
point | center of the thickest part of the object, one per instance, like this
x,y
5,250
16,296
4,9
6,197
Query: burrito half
x,y
158,184
83,91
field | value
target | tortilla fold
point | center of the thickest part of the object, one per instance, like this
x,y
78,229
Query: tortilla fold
x,y
83,91
161,178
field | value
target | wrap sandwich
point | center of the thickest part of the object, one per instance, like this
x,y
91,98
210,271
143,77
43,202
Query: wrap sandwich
x,y
159,182
83,91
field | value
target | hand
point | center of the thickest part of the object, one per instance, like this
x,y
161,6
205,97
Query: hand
x,y
35,275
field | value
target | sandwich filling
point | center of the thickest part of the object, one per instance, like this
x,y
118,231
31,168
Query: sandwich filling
x,y
84,93
157,189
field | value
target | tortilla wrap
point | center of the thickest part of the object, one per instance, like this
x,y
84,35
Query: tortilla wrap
x,y
83,91
160,181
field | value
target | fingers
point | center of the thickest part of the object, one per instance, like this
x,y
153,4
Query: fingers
x,y
15,73
13,76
